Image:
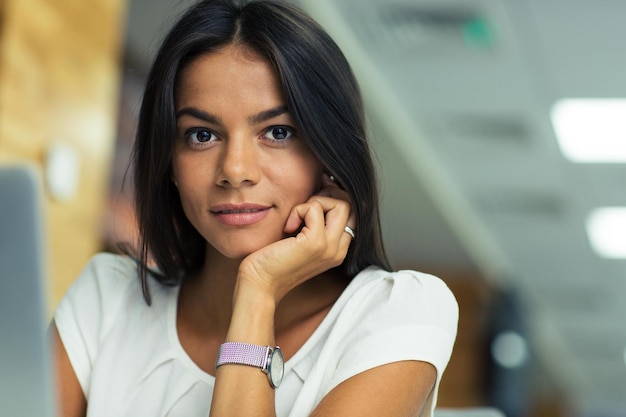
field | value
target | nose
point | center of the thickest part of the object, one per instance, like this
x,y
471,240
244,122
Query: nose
x,y
239,163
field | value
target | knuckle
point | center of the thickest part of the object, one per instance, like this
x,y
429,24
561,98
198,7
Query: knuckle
x,y
344,206
317,204
339,258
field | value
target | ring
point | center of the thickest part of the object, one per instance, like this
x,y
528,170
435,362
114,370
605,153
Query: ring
x,y
349,231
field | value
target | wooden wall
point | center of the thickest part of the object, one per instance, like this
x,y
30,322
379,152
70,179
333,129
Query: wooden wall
x,y
59,84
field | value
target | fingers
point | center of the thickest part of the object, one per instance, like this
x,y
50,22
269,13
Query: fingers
x,y
320,224
319,213
338,215
332,190
324,220
309,216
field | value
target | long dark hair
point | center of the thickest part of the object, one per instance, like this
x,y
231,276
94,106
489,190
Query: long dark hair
x,y
322,97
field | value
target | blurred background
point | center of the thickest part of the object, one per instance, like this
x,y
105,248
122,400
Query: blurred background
x,y
499,128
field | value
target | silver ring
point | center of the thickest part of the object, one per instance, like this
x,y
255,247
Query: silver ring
x,y
349,231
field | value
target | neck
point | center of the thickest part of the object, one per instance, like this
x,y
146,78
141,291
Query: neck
x,y
206,296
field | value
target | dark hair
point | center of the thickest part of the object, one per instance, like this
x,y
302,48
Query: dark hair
x,y
323,99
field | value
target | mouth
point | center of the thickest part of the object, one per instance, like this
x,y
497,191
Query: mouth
x,y
238,208
237,211
240,215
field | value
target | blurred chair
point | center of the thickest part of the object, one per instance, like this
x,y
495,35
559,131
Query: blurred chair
x,y
469,412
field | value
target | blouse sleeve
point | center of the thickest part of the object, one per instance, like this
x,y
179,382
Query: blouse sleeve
x,y
404,316
87,310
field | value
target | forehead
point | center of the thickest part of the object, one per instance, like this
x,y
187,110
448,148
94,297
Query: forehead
x,y
231,73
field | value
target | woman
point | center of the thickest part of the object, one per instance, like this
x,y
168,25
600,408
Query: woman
x,y
257,204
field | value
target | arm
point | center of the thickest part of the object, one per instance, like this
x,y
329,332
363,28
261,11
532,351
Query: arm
x,y
242,390
264,278
71,400
396,389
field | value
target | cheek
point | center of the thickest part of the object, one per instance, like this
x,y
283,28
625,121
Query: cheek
x,y
187,183
315,177
186,202
306,183
191,170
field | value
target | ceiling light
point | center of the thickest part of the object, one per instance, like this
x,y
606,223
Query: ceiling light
x,y
509,350
606,228
591,130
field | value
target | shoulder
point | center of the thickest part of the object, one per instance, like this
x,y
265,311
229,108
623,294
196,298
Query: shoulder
x,y
405,289
101,309
387,317
103,294
375,274
419,282
115,266
408,301
407,306
427,288
105,273
104,287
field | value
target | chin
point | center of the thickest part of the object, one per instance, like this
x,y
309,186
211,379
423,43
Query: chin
x,y
239,251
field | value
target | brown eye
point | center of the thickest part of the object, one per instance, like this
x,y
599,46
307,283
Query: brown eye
x,y
203,136
279,133
199,136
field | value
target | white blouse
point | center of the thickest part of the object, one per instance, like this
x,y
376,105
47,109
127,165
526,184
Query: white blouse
x,y
129,360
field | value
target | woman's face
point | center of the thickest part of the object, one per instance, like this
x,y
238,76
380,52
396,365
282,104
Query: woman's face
x,y
239,164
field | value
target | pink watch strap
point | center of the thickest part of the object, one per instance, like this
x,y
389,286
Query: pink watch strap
x,y
242,353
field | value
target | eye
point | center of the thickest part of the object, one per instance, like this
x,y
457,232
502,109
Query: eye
x,y
279,133
196,136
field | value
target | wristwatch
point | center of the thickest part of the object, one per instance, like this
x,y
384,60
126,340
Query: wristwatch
x,y
269,359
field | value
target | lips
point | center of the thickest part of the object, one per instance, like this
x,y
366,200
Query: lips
x,y
240,214
237,211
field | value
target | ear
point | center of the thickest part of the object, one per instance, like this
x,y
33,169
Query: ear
x,y
327,179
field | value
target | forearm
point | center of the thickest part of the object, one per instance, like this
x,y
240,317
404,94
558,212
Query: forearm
x,y
242,390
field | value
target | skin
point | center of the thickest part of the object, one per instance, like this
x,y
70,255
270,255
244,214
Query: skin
x,y
236,148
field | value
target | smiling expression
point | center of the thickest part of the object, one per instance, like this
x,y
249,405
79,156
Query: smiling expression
x,y
239,163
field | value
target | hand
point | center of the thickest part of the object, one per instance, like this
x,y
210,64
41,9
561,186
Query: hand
x,y
320,243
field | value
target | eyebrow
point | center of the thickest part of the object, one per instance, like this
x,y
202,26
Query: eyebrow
x,y
266,115
211,118
198,114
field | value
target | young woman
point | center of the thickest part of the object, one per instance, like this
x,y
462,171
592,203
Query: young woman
x,y
261,286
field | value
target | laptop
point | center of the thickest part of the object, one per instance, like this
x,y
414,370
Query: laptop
x,y
26,387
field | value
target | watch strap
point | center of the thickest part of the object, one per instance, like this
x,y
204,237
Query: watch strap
x,y
243,354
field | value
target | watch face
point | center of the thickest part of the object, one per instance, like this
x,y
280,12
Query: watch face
x,y
277,367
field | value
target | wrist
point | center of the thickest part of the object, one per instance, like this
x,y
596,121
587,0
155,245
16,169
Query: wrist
x,y
255,293
268,359
252,319
254,284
